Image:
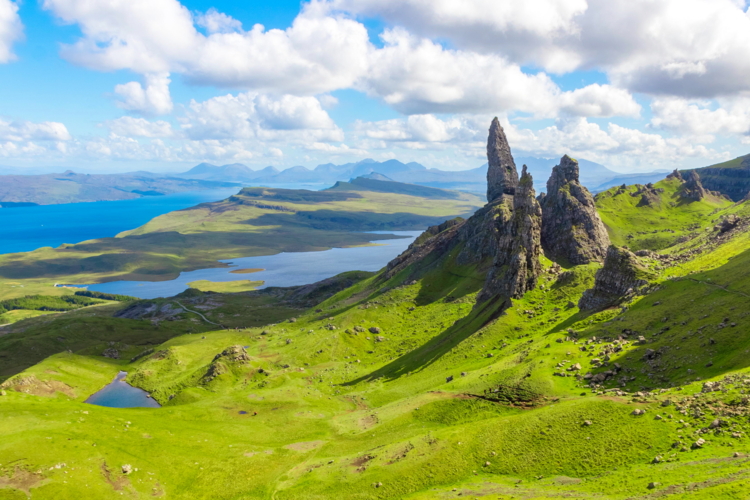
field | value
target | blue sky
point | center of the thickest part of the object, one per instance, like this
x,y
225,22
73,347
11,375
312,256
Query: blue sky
x,y
161,85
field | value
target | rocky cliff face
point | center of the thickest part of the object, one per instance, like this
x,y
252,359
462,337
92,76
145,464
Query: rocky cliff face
x,y
571,227
502,176
693,189
732,182
516,266
620,278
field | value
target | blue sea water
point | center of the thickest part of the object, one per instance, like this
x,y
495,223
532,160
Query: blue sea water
x,y
120,394
23,229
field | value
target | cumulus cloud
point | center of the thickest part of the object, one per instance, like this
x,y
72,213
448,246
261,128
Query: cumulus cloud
x,y
11,29
251,115
701,119
127,126
153,98
217,22
316,54
19,131
689,48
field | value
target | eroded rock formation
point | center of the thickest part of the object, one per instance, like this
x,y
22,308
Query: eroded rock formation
x,y
693,189
502,176
571,227
621,276
516,266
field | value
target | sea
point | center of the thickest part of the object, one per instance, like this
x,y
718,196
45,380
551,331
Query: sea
x,y
23,229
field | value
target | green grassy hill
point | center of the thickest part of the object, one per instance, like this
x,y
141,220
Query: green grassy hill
x,y
399,385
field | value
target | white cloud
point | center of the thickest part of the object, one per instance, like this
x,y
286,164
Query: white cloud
x,y
731,117
522,28
689,48
599,101
316,54
615,146
151,99
29,131
256,116
11,29
127,126
217,22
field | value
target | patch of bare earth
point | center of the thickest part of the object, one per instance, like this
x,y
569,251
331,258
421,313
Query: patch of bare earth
x,y
22,480
304,445
32,385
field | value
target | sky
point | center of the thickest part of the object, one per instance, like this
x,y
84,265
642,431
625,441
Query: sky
x,y
161,85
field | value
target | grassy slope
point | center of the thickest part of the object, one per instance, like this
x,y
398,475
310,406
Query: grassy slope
x,y
340,412
258,221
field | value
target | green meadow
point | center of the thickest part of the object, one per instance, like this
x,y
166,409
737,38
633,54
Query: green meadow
x,y
376,387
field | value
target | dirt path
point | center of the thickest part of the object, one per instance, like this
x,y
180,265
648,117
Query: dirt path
x,y
199,314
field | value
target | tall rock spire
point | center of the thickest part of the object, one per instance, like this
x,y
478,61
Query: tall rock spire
x,y
571,227
502,176
516,266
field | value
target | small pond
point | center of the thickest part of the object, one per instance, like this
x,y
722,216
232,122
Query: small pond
x,y
120,394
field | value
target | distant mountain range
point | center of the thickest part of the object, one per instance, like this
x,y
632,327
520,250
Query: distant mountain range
x,y
71,187
593,175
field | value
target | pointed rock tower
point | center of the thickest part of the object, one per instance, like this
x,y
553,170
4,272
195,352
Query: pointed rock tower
x,y
693,189
571,227
516,266
502,176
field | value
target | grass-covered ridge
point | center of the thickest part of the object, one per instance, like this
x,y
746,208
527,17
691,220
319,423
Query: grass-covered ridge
x,y
401,386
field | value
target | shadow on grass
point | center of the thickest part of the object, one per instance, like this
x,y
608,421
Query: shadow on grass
x,y
439,345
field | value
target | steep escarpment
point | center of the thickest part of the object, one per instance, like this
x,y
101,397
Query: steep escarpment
x,y
732,178
571,227
502,176
620,277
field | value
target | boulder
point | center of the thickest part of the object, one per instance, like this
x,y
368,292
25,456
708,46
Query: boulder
x,y
620,277
571,227
502,176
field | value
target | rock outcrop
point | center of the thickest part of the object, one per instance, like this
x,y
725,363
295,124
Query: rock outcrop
x,y
503,237
502,176
571,227
620,277
693,189
675,175
516,266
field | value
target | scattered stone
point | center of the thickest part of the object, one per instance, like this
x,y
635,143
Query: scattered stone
x,y
127,469
587,423
449,379
374,329
638,411
698,444
653,485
